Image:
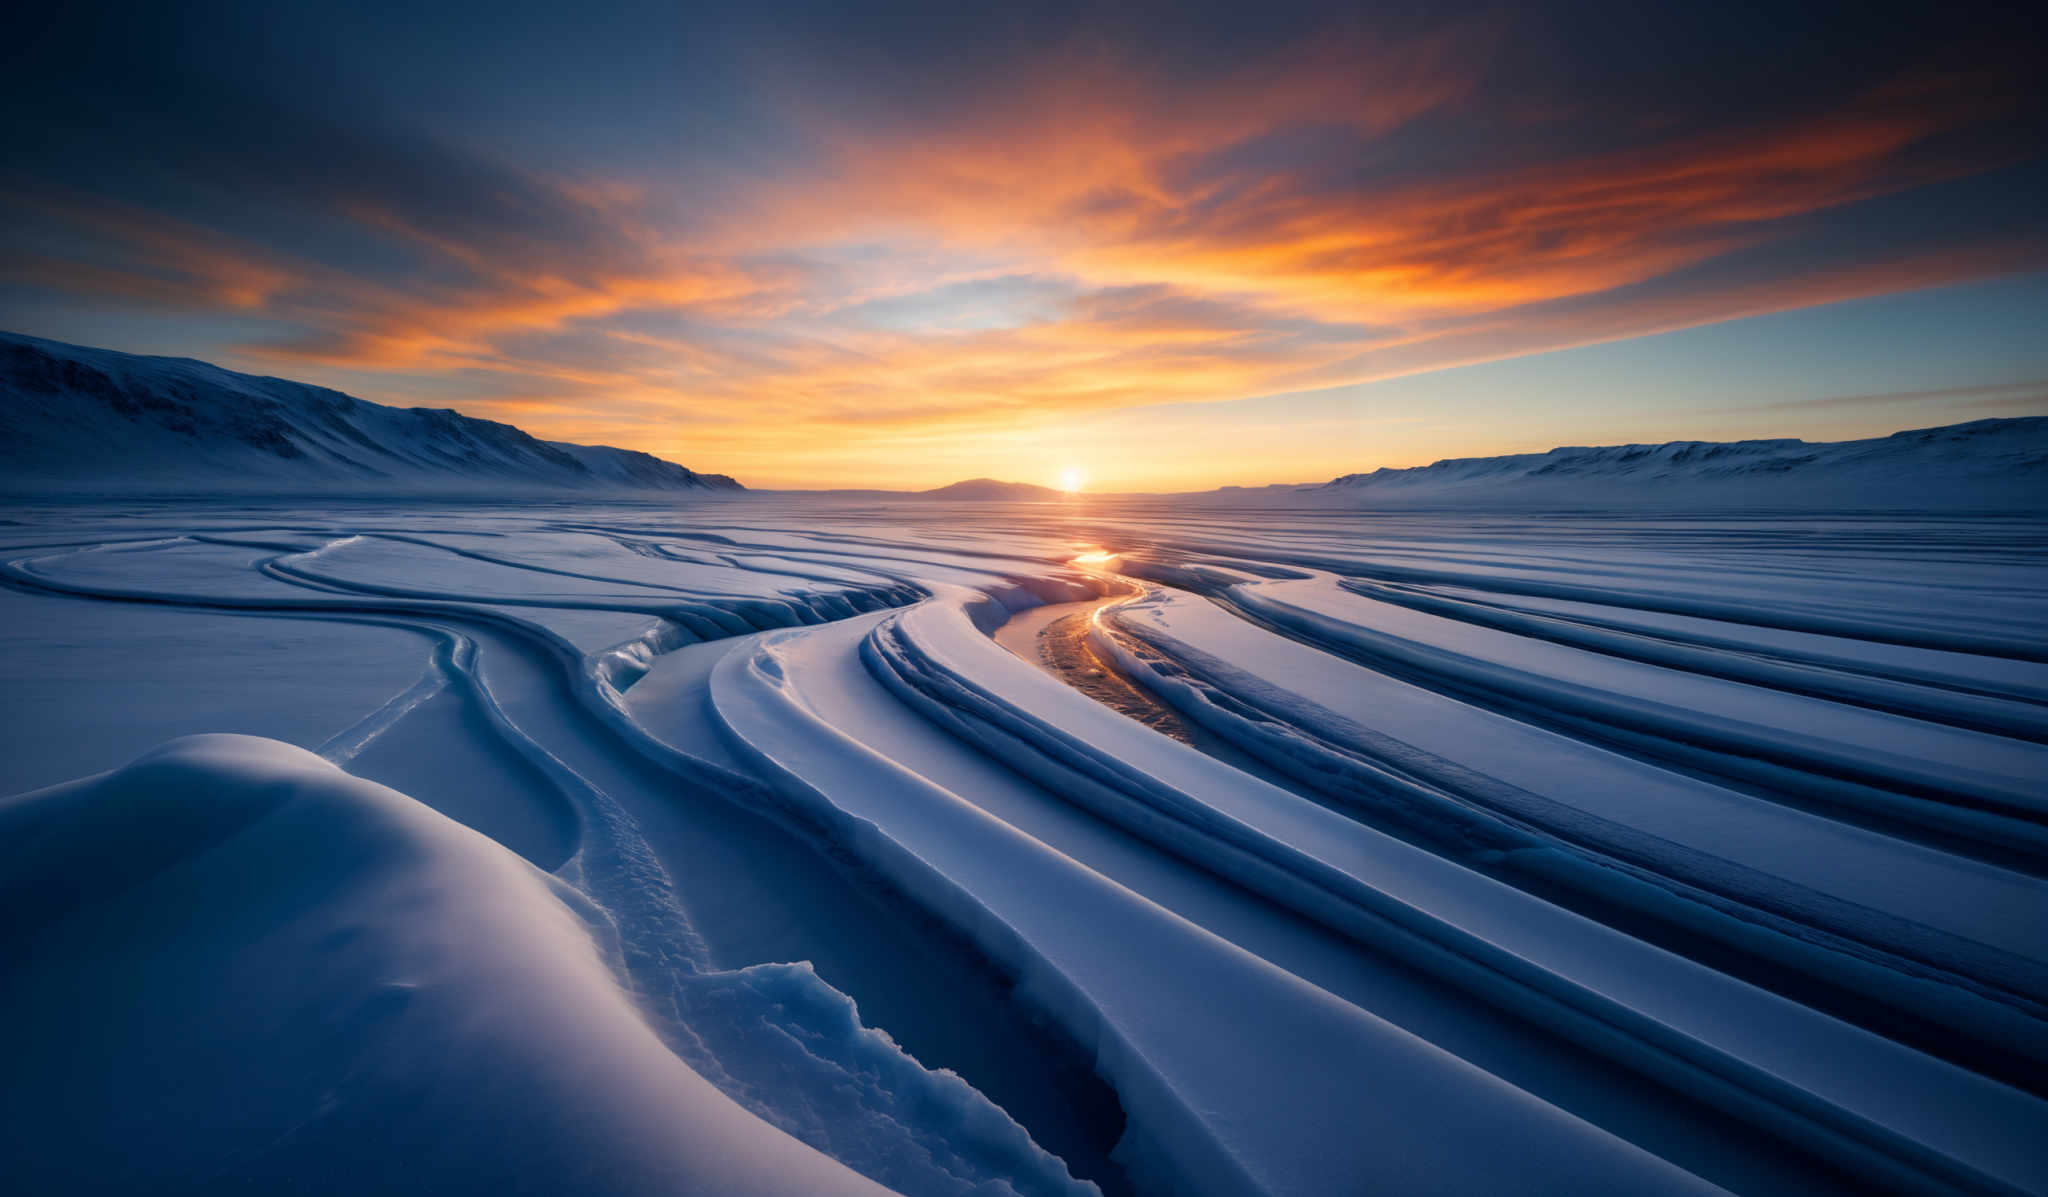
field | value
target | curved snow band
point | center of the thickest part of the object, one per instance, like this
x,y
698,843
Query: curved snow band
x,y
1088,951
1434,763
775,1037
1729,1044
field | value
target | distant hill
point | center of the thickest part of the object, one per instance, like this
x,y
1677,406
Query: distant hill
x,y
93,420
1981,464
990,489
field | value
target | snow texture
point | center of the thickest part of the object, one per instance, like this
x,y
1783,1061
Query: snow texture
x,y
627,845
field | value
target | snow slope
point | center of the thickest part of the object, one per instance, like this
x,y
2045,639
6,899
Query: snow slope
x,y
79,419
1497,853
2001,463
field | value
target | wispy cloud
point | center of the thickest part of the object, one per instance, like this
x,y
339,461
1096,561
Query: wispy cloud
x,y
1087,233
2027,394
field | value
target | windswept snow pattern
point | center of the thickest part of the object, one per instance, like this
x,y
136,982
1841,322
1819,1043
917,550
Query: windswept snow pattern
x,y
1035,847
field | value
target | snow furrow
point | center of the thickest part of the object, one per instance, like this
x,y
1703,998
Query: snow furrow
x,y
1528,955
1956,780
1181,1066
1610,835
1960,708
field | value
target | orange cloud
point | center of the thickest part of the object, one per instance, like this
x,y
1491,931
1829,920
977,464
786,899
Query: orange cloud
x,y
1177,250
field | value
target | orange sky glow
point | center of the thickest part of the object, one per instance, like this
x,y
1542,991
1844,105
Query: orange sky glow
x,y
998,288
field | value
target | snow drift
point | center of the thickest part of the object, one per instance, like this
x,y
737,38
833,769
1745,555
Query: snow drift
x,y
79,419
232,964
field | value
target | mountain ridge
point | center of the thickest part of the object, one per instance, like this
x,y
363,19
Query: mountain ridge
x,y
991,489
2000,462
80,418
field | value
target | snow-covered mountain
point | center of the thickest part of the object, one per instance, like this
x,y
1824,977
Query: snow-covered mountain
x,y
1981,464
79,419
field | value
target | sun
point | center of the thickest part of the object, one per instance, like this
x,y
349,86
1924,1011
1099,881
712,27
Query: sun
x,y
1071,479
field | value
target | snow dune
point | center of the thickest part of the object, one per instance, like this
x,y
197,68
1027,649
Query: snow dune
x,y
728,849
233,964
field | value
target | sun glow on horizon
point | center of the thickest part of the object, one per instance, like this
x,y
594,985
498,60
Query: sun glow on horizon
x,y
1083,237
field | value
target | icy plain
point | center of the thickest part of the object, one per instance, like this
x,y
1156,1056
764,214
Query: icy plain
x,y
772,844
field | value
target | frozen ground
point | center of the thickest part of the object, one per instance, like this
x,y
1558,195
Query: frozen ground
x,y
781,845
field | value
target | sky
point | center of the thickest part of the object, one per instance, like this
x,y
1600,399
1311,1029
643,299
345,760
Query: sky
x,y
1150,247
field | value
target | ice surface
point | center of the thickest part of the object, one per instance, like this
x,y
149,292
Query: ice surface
x,y
728,848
